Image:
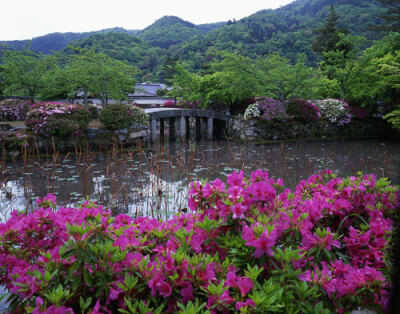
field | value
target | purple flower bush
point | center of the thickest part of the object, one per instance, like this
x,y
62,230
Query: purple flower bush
x,y
303,109
244,248
57,119
271,108
266,109
14,109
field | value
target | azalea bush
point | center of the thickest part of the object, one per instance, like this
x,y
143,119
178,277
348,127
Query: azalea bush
x,y
120,116
249,246
302,109
94,110
14,109
271,108
252,112
57,119
182,104
335,110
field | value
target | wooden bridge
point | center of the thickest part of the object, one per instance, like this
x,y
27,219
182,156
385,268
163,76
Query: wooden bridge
x,y
216,122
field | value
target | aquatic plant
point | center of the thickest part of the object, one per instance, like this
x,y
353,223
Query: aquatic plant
x,y
249,245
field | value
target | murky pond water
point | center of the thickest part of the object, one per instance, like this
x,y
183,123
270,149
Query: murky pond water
x,y
153,182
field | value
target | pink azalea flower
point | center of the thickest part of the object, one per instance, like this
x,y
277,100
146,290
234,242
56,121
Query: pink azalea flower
x,y
264,244
247,303
236,179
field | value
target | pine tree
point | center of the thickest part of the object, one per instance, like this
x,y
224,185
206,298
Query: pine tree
x,y
327,37
391,17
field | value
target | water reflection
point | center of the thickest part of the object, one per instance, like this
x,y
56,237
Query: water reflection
x,y
154,182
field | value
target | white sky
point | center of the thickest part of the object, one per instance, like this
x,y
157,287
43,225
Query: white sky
x,y
24,19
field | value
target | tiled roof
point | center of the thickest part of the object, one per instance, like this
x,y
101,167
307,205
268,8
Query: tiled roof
x,y
147,89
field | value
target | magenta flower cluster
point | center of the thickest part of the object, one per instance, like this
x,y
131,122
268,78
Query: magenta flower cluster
x,y
14,109
249,245
303,109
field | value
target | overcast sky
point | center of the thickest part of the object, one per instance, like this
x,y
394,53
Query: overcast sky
x,y
24,19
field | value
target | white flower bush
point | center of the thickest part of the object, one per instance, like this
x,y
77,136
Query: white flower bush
x,y
335,110
252,111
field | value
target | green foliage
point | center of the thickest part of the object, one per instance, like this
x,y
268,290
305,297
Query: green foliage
x,y
97,73
340,63
282,80
391,16
120,116
394,118
377,73
123,47
26,73
169,30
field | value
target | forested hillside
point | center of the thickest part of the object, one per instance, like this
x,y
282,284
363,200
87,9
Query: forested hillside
x,y
123,47
171,30
289,31
57,41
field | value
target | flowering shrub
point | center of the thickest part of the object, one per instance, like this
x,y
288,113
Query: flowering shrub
x,y
120,116
94,110
321,248
188,104
303,109
169,104
337,111
271,108
14,109
56,119
182,104
252,112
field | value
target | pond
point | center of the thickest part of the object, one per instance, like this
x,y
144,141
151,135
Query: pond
x,y
153,181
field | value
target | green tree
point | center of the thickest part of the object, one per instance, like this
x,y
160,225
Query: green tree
x,y
391,17
329,36
230,81
340,64
26,73
97,73
394,118
378,73
281,80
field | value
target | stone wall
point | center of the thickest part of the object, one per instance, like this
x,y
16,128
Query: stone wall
x,y
92,138
274,130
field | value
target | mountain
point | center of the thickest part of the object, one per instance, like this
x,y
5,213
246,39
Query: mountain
x,y
168,31
287,30
122,46
57,41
